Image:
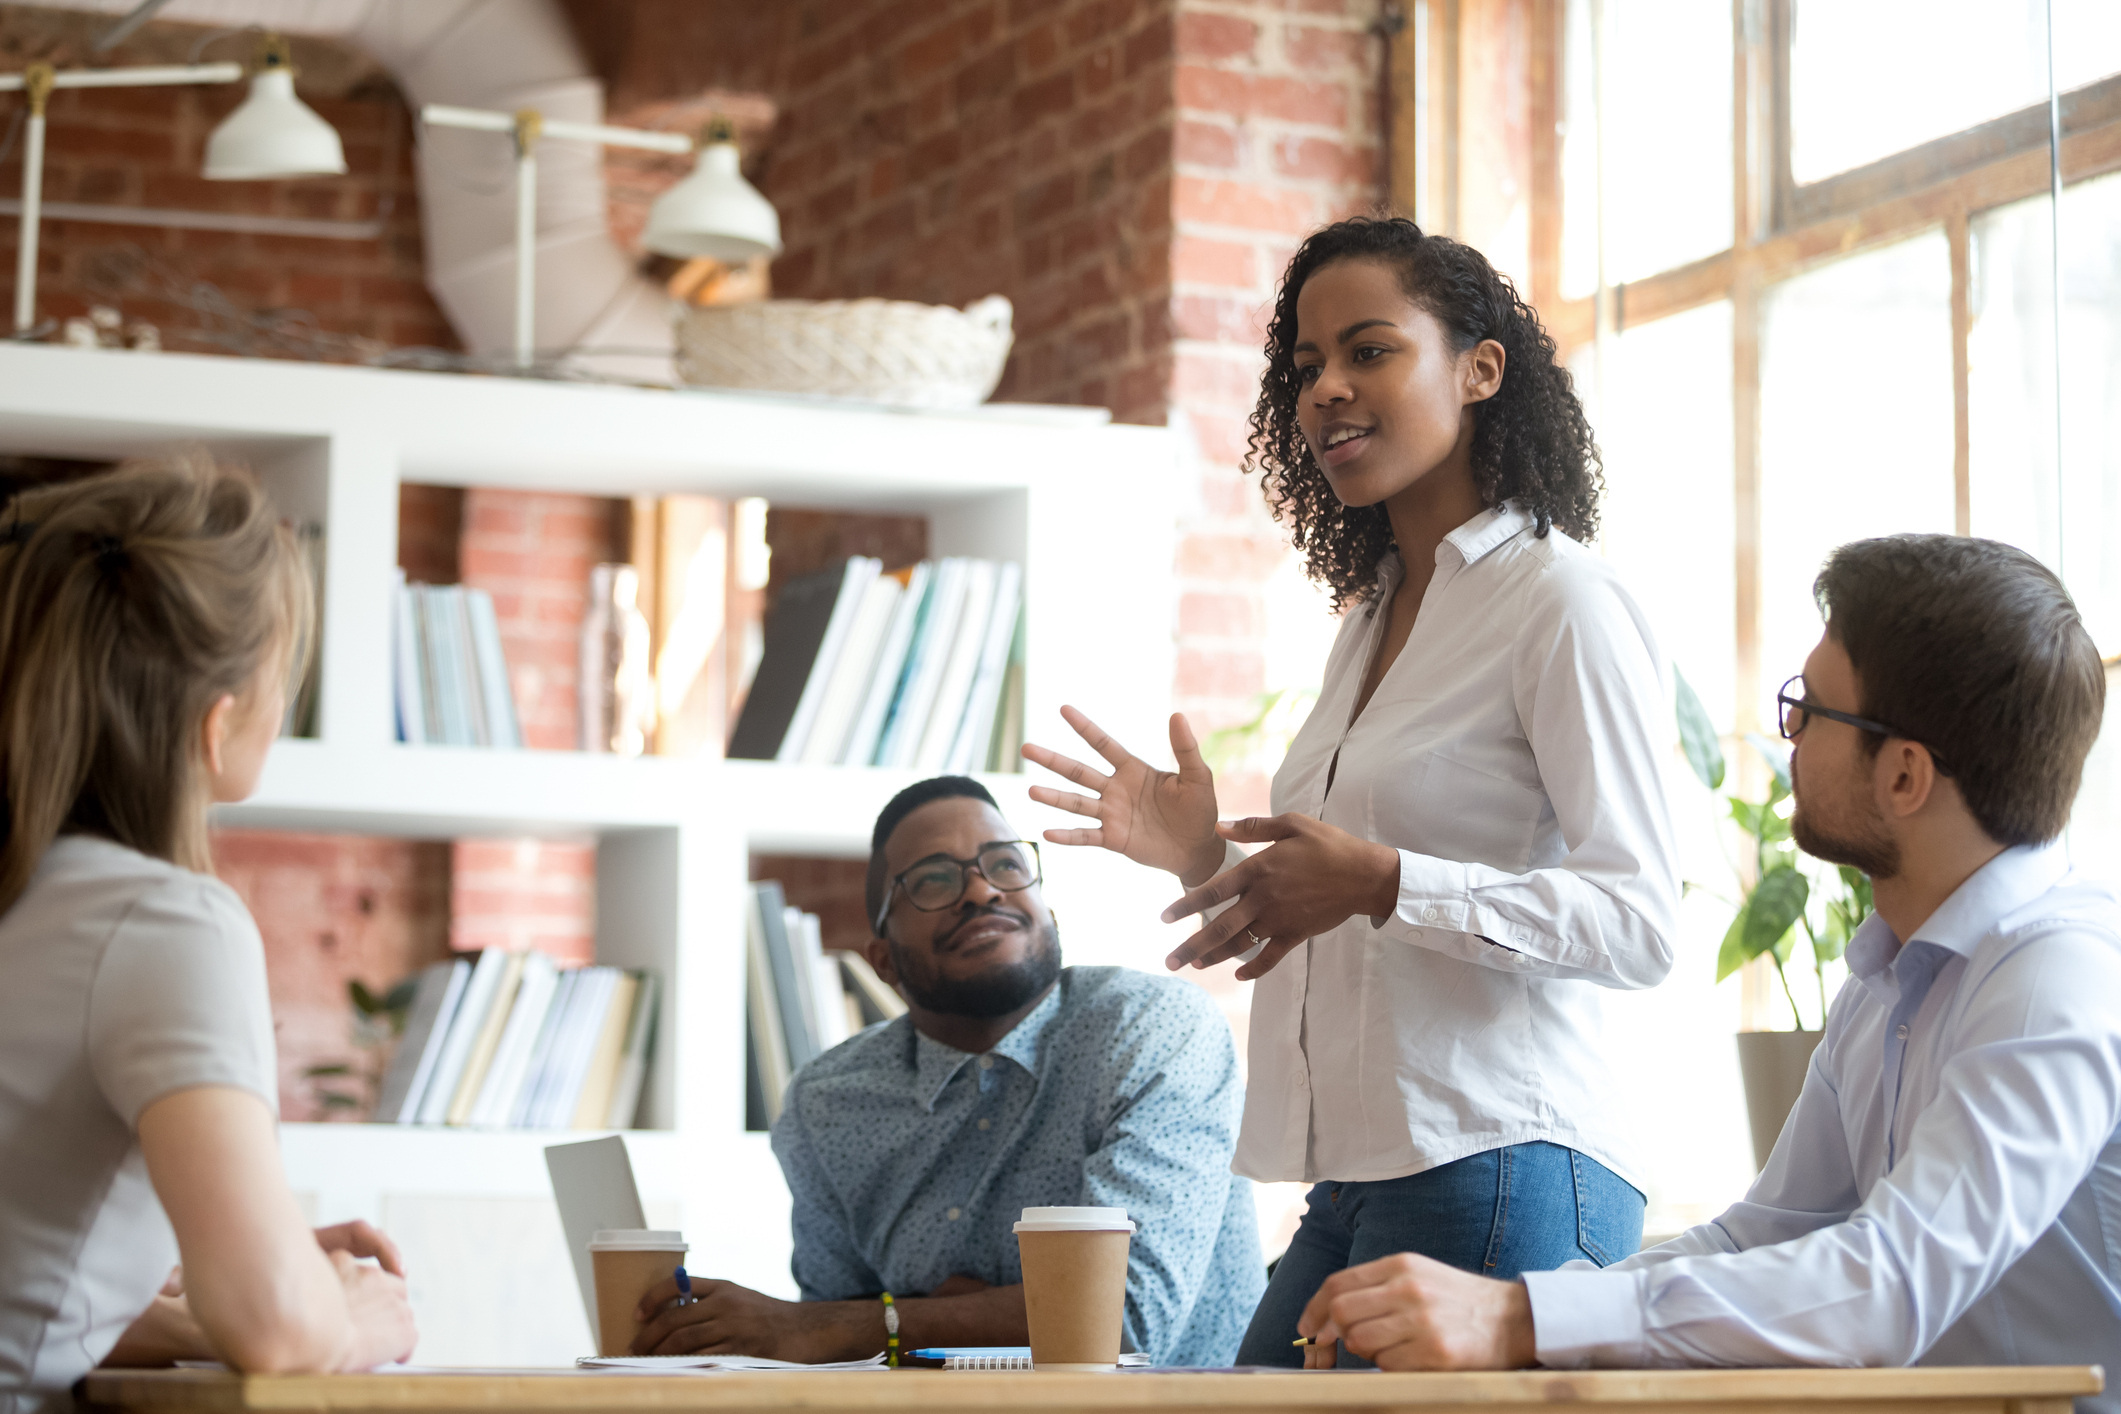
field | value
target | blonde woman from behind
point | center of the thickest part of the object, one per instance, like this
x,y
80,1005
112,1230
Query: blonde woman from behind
x,y
149,621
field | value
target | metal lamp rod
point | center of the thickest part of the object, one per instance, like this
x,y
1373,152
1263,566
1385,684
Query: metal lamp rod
x,y
37,83
528,127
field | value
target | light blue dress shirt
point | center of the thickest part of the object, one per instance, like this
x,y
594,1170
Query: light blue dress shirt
x,y
1948,1188
910,1162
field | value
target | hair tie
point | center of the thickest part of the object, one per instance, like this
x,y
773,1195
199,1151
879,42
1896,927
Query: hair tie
x,y
110,554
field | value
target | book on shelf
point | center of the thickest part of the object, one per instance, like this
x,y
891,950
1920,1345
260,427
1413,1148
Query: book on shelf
x,y
510,1040
905,669
794,637
434,1004
799,999
452,686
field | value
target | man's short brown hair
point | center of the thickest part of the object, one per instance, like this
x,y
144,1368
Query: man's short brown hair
x,y
1974,649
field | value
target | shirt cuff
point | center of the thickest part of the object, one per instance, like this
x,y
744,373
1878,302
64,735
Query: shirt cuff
x,y
1588,1318
1432,894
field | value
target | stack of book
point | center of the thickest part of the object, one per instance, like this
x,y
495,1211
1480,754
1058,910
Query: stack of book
x,y
800,1000
452,677
510,1041
922,668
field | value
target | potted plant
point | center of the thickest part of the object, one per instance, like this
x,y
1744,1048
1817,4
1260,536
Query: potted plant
x,y
1781,890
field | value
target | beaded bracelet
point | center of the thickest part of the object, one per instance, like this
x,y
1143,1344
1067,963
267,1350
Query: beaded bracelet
x,y
890,1331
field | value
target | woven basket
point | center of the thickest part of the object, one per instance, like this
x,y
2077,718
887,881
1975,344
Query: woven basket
x,y
886,351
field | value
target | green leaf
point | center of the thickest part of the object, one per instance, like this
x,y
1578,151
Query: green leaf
x,y
400,998
333,1100
1774,825
1778,760
1697,734
1859,887
364,1000
321,1072
1774,907
1732,955
1748,815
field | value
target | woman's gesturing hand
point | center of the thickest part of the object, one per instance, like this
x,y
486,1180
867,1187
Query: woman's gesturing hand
x,y
1312,878
1163,819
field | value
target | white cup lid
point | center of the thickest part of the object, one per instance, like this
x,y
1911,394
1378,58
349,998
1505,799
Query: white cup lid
x,y
1074,1220
638,1239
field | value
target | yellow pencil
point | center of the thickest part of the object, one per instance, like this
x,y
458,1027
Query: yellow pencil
x,y
1303,1340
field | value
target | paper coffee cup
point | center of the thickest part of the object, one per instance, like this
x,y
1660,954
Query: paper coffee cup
x,y
629,1262
1075,1285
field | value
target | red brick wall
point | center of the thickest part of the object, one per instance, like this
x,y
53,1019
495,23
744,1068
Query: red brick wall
x,y
948,150
334,908
144,147
1276,133
534,552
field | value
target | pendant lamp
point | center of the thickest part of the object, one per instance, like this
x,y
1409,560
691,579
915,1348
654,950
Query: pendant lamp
x,y
714,212
273,133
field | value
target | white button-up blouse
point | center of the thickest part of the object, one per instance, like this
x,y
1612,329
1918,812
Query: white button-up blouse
x,y
1512,755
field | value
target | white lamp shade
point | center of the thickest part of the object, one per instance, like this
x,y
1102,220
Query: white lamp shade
x,y
715,213
273,134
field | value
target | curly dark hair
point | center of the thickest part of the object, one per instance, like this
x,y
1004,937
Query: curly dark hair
x,y
1531,441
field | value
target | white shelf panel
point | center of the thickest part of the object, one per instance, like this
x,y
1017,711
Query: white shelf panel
x,y
591,439
433,792
441,792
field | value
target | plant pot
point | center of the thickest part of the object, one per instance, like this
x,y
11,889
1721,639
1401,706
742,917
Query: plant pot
x,y
1772,1064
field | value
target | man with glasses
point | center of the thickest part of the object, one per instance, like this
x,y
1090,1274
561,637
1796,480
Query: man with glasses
x,y
1012,1082
1947,1188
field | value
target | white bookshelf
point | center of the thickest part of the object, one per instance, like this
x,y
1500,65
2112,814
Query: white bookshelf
x,y
1087,507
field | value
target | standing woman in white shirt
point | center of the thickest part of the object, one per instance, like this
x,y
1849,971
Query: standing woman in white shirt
x,y
148,623
1470,834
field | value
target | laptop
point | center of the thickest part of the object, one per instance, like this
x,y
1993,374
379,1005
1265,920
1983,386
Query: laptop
x,y
593,1185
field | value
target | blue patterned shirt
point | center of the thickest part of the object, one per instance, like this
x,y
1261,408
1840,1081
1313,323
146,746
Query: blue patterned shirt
x,y
909,1161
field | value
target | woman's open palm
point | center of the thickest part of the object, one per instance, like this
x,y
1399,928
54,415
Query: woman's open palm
x,y
1164,819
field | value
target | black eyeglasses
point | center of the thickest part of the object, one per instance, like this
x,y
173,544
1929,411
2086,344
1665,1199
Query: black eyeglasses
x,y
939,881
1794,710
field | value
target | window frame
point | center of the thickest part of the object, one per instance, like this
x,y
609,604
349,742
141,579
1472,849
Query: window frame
x,y
1779,228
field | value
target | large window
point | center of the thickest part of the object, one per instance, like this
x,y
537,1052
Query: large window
x,y
1801,255
1862,186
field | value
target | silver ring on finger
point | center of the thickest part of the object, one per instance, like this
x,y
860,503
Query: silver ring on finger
x,y
1256,940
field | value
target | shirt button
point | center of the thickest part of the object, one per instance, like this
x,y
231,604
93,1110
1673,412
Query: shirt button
x,y
1431,914
952,1215
986,1062
986,1124
1900,1031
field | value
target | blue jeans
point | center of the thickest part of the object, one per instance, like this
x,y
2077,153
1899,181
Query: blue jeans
x,y
1525,1208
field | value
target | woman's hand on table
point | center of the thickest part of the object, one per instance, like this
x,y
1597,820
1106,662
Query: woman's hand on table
x,y
1164,819
1311,878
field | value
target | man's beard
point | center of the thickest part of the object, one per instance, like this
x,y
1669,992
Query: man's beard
x,y
1870,847
995,992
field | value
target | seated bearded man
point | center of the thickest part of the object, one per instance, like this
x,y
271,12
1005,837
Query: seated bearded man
x,y
1012,1082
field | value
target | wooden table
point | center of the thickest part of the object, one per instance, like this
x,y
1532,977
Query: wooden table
x,y
1969,1390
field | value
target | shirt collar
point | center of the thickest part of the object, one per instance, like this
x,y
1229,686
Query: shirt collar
x,y
2009,881
1487,531
935,1065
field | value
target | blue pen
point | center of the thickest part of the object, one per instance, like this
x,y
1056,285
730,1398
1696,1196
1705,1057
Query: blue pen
x,y
685,1296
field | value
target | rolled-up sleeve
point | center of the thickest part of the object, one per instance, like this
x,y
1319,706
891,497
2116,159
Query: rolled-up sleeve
x,y
1593,710
825,1262
1164,1156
